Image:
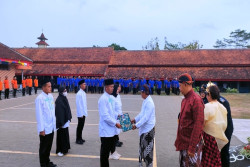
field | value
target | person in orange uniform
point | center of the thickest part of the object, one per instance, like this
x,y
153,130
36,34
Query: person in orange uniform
x,y
14,86
27,83
1,88
24,86
36,84
30,85
6,87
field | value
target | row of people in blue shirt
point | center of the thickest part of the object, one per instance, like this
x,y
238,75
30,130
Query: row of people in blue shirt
x,y
127,84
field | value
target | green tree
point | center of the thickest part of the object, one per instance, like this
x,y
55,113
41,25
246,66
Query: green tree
x,y
180,46
117,47
237,39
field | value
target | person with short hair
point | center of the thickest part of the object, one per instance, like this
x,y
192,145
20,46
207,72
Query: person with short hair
x,y
6,87
107,122
14,86
145,122
214,128
36,84
225,156
81,111
63,118
1,88
46,123
190,124
167,86
30,84
23,86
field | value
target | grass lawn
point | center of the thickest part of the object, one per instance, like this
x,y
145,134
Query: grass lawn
x,y
239,103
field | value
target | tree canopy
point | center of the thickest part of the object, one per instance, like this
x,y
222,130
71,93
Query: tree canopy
x,y
153,44
117,47
237,39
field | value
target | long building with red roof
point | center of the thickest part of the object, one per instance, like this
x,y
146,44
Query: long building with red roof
x,y
230,66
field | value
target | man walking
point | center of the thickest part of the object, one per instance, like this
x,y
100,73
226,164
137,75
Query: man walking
x,y
81,110
46,123
190,126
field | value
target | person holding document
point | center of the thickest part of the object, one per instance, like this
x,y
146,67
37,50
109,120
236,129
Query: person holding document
x,y
145,121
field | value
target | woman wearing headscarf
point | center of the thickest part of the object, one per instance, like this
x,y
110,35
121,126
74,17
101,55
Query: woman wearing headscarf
x,y
214,129
145,121
63,118
118,110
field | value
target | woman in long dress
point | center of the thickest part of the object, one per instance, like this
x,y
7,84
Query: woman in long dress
x,y
63,118
214,129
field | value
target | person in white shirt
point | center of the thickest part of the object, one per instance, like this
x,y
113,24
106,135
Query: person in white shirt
x,y
107,123
81,111
46,123
145,121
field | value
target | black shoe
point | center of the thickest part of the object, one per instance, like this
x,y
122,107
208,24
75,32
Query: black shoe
x,y
83,140
79,142
51,164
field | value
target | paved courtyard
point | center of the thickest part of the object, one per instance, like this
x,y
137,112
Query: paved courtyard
x,y
19,141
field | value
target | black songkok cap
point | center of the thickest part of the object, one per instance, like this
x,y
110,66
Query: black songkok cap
x,y
81,82
186,78
44,81
61,89
108,82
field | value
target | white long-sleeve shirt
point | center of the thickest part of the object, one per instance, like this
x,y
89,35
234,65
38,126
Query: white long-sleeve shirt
x,y
45,113
118,105
145,120
107,115
81,104
118,110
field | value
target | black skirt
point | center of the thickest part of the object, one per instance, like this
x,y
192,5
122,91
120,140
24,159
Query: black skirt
x,y
62,140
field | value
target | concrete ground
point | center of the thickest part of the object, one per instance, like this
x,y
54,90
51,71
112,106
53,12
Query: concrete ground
x,y
19,141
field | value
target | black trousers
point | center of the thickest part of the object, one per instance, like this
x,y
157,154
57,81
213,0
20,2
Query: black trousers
x,y
23,91
80,125
107,144
134,91
75,89
14,92
6,93
114,146
62,140
152,91
225,156
35,90
45,147
30,88
167,91
0,95
158,91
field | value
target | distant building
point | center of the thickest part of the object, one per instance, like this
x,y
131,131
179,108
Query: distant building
x,y
11,61
226,67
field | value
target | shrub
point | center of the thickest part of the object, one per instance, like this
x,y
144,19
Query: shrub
x,y
233,90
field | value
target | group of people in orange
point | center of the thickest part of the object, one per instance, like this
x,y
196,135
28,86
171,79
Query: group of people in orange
x,y
27,84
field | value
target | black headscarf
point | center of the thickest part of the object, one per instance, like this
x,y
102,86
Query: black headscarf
x,y
63,112
114,93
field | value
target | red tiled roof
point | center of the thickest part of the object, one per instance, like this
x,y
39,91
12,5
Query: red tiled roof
x,y
183,57
73,55
199,73
67,69
42,43
8,53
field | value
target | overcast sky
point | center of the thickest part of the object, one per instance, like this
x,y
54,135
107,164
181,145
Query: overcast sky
x,y
129,23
